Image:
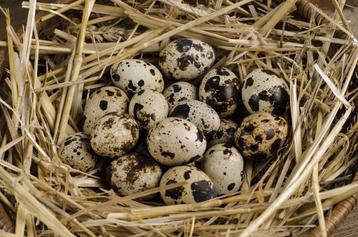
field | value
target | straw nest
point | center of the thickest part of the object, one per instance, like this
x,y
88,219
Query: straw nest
x,y
52,71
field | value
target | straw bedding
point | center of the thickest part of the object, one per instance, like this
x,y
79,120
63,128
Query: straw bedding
x,y
52,70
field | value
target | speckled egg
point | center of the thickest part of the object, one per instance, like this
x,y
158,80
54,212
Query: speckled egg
x,y
133,173
199,113
178,92
225,166
102,101
148,108
225,133
260,135
265,92
220,89
76,151
176,141
198,187
134,75
186,59
115,135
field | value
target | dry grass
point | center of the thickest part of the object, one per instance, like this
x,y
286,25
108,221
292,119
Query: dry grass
x,y
48,77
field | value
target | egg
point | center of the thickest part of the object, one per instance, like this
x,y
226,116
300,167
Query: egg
x,y
199,113
220,89
134,75
225,133
76,152
262,91
198,187
148,108
114,135
176,141
260,135
186,59
225,166
178,92
102,101
133,173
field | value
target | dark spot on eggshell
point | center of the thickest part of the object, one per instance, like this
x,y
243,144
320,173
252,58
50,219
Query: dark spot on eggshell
x,y
184,61
109,93
210,55
68,142
116,77
183,45
171,98
202,191
198,47
181,111
254,102
140,83
131,88
137,107
176,88
222,72
187,174
227,152
270,134
249,82
230,186
249,128
103,104
254,147
258,138
167,154
108,123
140,92
174,193
275,145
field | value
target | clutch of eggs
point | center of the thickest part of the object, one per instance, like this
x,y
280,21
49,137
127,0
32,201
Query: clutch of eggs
x,y
182,118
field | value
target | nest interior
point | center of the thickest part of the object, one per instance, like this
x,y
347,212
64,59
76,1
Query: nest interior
x,y
64,54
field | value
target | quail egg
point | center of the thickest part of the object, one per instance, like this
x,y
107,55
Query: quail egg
x,y
133,173
102,101
199,113
186,59
260,135
198,187
262,91
176,141
115,135
225,133
134,75
178,92
225,166
76,151
148,108
220,89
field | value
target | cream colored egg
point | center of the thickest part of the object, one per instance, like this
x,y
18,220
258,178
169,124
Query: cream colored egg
x,y
263,91
148,108
178,92
134,75
199,187
176,141
133,173
186,59
102,101
225,166
76,151
261,135
115,135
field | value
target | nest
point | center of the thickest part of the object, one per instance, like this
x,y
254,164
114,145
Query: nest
x,y
52,69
